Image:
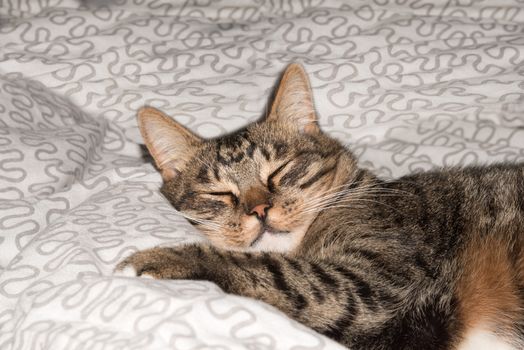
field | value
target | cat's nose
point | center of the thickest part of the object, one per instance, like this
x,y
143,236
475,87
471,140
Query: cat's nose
x,y
260,210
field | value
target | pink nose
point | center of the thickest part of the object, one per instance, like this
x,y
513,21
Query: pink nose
x,y
260,210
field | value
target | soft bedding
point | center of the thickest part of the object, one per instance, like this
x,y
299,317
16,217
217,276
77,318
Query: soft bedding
x,y
409,85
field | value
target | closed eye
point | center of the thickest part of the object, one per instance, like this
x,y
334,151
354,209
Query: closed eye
x,y
229,194
319,175
270,183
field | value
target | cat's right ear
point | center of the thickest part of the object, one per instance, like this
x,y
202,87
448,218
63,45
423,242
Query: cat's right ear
x,y
170,144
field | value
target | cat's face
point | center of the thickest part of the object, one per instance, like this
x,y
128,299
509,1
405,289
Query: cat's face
x,y
258,188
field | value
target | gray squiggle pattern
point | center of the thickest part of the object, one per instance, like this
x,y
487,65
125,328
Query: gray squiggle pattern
x,y
408,84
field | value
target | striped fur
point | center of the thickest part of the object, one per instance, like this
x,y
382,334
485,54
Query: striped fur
x,y
432,260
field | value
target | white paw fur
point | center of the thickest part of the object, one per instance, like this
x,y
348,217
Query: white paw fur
x,y
127,271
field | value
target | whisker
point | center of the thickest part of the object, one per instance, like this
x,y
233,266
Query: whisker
x,y
374,187
204,222
345,205
336,196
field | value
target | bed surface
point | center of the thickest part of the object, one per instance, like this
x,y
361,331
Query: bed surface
x,y
408,85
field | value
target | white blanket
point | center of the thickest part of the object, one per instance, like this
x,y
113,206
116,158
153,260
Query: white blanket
x,y
408,85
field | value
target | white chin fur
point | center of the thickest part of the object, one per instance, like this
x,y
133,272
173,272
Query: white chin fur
x,y
275,242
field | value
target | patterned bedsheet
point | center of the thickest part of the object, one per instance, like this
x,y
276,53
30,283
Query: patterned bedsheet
x,y
408,84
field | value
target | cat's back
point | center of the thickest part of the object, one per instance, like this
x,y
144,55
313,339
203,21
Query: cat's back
x,y
476,183
474,198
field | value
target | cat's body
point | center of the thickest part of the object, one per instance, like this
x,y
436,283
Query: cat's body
x,y
429,261
445,254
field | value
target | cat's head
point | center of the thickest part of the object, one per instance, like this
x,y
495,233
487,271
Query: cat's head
x,y
259,188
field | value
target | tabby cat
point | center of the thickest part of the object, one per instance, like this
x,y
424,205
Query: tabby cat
x,y
431,260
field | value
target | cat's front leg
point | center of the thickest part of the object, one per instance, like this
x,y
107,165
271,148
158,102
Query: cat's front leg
x,y
318,294
195,262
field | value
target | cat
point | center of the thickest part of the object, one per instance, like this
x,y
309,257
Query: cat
x,y
431,260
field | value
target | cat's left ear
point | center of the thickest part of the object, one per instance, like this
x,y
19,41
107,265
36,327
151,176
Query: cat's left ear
x,y
294,101
171,145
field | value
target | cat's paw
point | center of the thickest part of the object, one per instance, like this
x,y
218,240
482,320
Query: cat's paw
x,y
160,263
129,271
